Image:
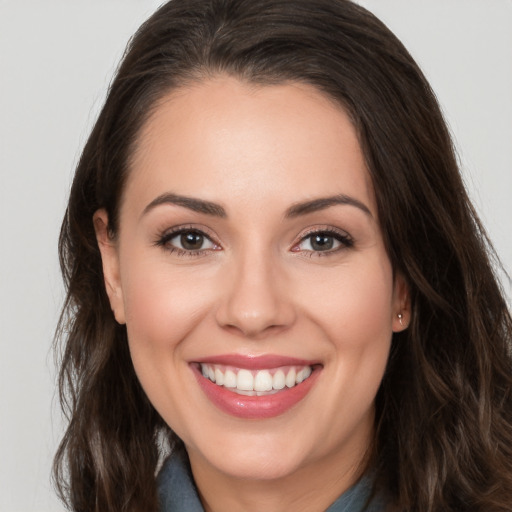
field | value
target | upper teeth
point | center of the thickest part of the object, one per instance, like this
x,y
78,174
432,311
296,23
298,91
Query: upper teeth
x,y
239,379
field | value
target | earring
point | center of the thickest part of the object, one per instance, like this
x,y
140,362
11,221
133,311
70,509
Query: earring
x,y
400,316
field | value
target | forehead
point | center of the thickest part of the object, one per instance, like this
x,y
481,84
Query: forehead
x,y
224,140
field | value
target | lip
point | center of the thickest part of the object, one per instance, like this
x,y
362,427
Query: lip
x,y
255,407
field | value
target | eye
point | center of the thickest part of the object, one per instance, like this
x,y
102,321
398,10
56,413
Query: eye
x,y
326,241
187,241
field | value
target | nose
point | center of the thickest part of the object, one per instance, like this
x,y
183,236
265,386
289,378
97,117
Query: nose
x,y
256,298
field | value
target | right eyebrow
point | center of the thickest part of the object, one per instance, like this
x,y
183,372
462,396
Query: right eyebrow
x,y
192,203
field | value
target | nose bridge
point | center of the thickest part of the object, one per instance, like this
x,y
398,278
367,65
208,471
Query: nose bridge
x,y
255,299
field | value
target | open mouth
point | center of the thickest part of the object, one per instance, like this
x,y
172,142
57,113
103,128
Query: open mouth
x,y
251,389
255,382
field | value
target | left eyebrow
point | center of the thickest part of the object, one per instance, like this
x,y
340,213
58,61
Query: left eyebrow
x,y
322,203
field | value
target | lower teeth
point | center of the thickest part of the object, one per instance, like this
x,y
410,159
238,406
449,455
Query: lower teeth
x,y
253,393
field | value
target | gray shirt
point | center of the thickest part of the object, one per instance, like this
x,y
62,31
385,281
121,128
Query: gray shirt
x,y
177,491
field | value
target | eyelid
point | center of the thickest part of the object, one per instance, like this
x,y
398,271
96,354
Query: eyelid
x,y
345,239
166,235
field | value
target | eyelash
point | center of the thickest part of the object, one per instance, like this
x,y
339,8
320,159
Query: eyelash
x,y
343,238
163,241
165,238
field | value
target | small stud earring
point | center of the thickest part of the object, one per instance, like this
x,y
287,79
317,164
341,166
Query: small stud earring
x,y
400,316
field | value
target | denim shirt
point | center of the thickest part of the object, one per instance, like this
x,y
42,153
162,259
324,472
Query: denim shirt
x,y
177,491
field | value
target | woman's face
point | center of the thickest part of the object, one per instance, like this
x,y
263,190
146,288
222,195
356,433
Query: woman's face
x,y
250,251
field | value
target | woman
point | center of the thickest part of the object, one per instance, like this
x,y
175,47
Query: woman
x,y
275,275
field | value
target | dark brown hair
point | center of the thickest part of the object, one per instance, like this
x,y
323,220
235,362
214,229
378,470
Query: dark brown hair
x,y
443,438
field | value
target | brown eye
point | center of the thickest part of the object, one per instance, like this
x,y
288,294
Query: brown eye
x,y
324,241
191,241
187,240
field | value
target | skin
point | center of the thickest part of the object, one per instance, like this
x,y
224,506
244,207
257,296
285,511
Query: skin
x,y
258,288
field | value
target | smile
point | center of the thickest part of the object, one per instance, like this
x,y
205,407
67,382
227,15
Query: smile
x,y
255,387
255,382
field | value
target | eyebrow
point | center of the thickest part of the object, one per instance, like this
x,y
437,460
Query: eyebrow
x,y
216,210
322,203
196,205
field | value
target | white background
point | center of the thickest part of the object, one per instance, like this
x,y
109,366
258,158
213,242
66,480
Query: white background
x,y
56,59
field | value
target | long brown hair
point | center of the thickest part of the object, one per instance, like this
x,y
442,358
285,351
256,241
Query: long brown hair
x,y
443,437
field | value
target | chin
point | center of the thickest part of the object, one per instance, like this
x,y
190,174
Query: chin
x,y
258,467
252,456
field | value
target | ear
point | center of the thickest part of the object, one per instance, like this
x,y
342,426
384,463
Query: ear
x,y
110,262
401,304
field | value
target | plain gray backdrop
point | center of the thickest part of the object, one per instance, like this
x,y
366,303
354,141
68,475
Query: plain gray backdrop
x,y
56,60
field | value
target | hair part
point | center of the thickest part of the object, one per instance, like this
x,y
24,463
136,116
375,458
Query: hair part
x,y
443,438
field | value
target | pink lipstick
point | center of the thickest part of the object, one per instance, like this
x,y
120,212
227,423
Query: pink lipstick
x,y
256,387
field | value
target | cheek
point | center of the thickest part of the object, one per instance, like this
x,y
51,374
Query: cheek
x,y
162,303
355,316
355,304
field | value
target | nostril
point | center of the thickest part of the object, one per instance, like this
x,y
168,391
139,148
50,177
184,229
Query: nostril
x,y
252,331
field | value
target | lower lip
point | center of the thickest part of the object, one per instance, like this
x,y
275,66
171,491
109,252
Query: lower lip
x,y
255,407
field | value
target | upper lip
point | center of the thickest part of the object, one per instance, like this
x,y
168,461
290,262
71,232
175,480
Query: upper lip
x,y
255,362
